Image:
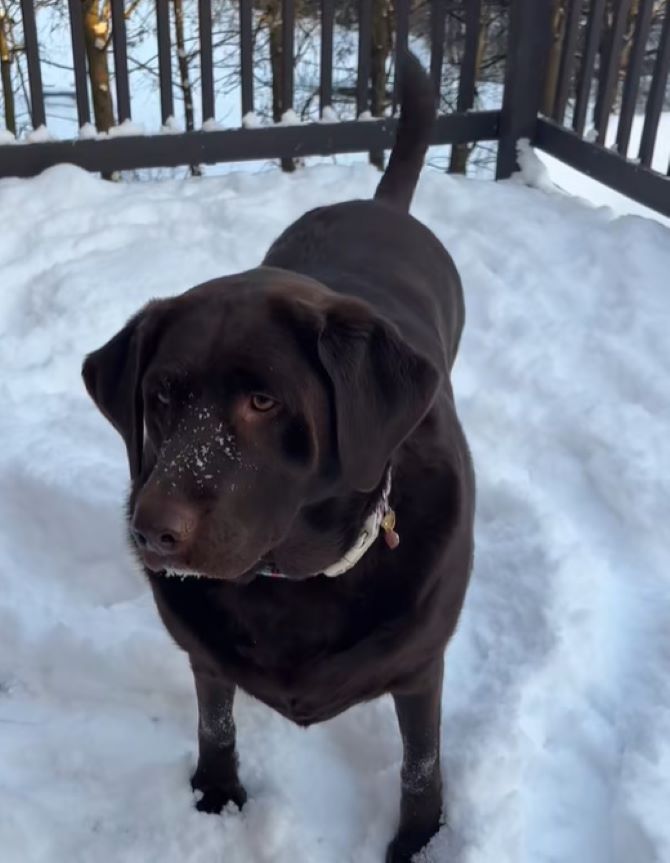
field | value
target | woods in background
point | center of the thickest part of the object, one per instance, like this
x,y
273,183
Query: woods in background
x,y
140,19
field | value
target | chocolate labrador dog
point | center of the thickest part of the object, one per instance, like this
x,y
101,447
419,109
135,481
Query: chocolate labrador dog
x,y
302,494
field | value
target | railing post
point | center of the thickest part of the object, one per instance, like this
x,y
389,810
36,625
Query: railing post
x,y
527,46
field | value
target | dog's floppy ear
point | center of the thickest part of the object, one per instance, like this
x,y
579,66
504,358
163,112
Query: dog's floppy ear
x,y
383,388
113,378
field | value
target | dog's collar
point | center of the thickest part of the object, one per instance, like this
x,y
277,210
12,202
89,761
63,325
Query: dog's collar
x,y
382,517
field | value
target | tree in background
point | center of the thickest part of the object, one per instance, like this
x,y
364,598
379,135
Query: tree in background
x,y
183,64
6,48
460,153
383,27
555,50
96,36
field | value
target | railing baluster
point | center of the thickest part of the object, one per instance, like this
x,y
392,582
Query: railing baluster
x,y
612,69
656,93
164,59
438,14
206,61
567,59
588,62
247,56
79,61
37,114
120,60
326,81
631,85
364,46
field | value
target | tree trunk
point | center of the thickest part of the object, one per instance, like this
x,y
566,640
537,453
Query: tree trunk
x,y
382,43
184,74
274,28
605,49
458,161
274,22
628,37
554,59
6,75
96,36
460,153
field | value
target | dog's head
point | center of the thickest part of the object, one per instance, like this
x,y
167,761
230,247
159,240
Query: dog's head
x,y
248,406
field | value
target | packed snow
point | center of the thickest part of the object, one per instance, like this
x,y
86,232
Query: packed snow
x,y
556,731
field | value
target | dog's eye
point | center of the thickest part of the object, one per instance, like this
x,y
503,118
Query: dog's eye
x,y
160,396
262,403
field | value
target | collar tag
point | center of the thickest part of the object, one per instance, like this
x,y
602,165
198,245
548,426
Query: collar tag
x,y
388,526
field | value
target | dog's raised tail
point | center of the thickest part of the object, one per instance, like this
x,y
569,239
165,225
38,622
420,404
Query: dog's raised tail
x,y
417,117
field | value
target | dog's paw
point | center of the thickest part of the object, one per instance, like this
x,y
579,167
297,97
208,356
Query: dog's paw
x,y
213,798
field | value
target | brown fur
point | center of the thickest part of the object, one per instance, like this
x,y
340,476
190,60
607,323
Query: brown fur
x,y
352,325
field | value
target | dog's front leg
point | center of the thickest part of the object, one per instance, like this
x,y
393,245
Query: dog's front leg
x,y
419,713
216,774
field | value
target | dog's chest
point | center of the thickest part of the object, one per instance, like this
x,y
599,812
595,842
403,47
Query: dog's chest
x,y
275,640
287,654
284,626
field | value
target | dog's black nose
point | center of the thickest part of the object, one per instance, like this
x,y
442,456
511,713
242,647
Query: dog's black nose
x,y
164,527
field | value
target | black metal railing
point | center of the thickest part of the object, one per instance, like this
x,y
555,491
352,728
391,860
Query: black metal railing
x,y
616,44
621,41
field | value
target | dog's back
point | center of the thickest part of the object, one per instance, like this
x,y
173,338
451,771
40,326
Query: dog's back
x,y
374,250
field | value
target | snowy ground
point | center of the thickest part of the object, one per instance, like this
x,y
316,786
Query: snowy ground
x,y
557,700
